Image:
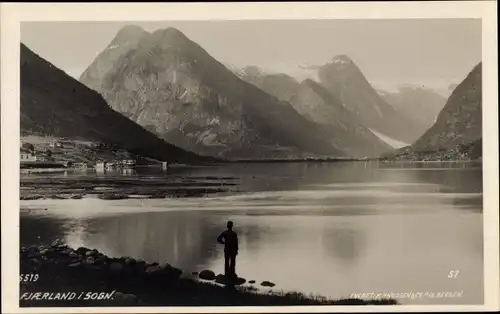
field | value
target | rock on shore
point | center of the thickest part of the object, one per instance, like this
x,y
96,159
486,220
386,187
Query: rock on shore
x,y
133,282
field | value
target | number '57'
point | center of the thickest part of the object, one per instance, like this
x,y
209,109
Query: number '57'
x,y
453,273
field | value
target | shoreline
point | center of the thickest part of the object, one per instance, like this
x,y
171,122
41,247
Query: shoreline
x,y
33,169
86,277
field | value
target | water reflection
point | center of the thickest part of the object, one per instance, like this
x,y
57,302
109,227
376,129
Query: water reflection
x,y
328,228
37,230
174,238
345,243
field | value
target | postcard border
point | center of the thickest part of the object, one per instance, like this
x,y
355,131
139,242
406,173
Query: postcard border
x,y
13,13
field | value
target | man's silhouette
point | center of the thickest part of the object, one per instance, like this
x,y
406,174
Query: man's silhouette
x,y
230,240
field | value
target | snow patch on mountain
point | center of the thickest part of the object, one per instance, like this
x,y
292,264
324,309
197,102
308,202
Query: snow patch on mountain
x,y
388,140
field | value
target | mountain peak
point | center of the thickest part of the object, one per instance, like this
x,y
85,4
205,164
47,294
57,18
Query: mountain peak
x,y
308,82
170,34
341,59
128,33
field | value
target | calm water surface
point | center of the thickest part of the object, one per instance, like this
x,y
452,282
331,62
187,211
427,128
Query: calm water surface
x,y
324,228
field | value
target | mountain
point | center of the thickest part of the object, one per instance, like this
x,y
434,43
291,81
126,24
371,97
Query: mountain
x,y
125,40
55,104
344,79
457,132
460,121
174,88
281,86
315,103
417,104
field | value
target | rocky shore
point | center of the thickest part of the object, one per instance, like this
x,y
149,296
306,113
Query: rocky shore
x,y
57,275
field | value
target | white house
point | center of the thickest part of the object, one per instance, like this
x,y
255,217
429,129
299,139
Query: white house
x,y
26,155
41,158
99,167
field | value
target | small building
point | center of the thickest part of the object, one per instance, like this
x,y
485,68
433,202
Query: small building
x,y
128,162
41,158
26,156
110,165
56,144
81,165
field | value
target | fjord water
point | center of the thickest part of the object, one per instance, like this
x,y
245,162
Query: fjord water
x,y
323,228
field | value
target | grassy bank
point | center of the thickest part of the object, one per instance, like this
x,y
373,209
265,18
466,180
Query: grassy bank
x,y
87,273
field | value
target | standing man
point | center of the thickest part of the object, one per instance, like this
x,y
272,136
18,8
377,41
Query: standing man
x,y
230,240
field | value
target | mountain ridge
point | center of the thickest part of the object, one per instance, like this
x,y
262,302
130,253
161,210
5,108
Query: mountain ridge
x,y
315,103
173,87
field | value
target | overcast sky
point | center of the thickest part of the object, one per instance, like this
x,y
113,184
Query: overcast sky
x,y
389,52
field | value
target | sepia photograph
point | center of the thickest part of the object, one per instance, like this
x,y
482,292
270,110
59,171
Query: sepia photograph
x,y
250,162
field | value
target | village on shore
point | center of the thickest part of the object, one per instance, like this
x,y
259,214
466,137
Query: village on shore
x,y
54,153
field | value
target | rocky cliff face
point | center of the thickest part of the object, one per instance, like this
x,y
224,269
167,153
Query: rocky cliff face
x,y
417,104
55,104
460,121
345,80
457,132
174,88
125,40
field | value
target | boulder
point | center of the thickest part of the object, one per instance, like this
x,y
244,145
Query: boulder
x,y
44,252
92,252
129,261
223,280
62,247
206,275
73,254
82,250
57,243
76,197
267,284
90,260
251,281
